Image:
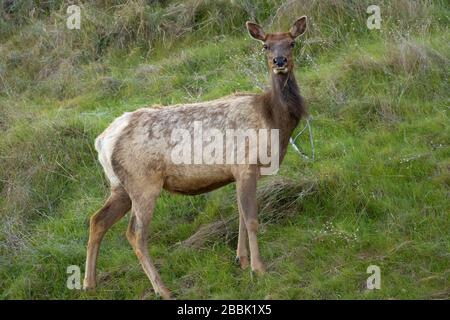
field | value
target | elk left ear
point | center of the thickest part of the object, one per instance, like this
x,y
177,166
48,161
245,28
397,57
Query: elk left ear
x,y
299,27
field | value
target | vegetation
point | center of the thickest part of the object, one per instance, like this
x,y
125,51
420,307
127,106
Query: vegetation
x,y
377,192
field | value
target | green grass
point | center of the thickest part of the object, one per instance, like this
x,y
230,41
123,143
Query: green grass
x,y
379,102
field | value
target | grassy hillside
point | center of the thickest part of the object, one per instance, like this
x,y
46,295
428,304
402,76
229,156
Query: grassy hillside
x,y
377,192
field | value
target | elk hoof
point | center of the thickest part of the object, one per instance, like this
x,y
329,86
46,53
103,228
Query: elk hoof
x,y
164,295
259,270
89,286
242,262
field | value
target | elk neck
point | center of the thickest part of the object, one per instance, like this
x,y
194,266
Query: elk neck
x,y
284,104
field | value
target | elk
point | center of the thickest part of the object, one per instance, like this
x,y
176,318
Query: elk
x,y
134,153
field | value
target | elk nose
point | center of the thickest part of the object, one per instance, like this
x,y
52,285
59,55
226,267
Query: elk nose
x,y
280,62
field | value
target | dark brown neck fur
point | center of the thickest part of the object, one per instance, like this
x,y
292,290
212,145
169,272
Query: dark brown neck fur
x,y
283,106
285,97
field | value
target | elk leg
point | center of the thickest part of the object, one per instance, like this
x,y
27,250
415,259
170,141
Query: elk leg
x,y
115,208
246,196
137,234
242,250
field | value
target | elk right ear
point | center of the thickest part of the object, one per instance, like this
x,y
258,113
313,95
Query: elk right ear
x,y
256,31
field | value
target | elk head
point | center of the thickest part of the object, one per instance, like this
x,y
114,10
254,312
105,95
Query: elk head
x,y
279,45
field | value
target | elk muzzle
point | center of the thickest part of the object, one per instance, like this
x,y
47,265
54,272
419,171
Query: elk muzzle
x,y
280,65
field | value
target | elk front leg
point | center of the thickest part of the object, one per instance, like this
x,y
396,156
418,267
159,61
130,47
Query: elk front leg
x,y
246,196
242,249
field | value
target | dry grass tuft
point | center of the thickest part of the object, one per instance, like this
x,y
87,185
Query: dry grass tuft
x,y
410,57
210,232
279,199
13,234
110,85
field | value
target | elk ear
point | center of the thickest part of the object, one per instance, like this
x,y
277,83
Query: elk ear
x,y
256,31
299,27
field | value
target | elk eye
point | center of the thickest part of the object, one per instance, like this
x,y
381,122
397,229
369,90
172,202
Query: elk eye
x,y
265,46
292,44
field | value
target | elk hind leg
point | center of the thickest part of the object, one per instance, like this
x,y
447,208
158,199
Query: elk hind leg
x,y
117,205
137,234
